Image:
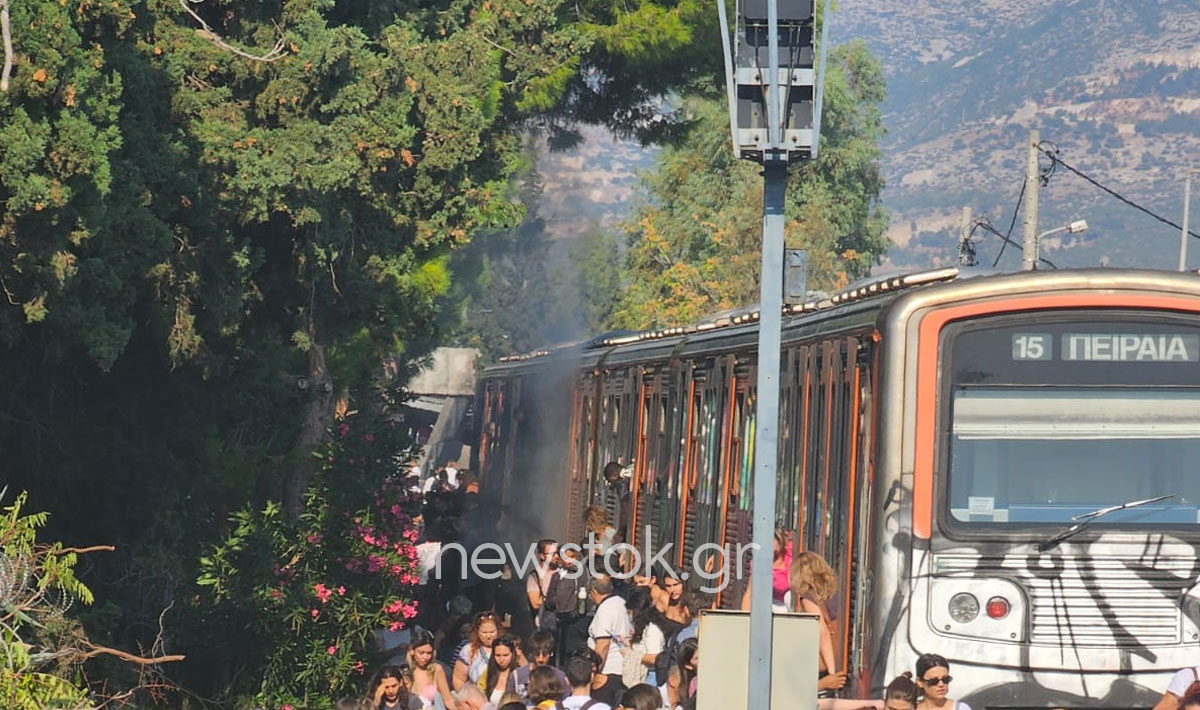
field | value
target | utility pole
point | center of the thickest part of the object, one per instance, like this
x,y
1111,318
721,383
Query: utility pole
x,y
774,118
1187,198
1029,244
966,255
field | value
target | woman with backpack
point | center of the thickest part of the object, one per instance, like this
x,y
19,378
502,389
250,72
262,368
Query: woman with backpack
x,y
645,642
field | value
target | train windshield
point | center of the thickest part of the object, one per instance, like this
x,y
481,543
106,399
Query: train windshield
x,y
1053,422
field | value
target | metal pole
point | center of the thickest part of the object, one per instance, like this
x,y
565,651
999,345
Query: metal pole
x,y
1029,244
767,424
964,236
1183,234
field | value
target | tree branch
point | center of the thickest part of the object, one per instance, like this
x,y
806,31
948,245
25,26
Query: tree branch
x,y
125,656
275,53
8,49
85,550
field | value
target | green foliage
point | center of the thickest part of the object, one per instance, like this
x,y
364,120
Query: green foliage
x,y
596,257
37,583
695,245
293,603
185,230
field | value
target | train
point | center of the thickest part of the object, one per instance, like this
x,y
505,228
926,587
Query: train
x,y
1000,467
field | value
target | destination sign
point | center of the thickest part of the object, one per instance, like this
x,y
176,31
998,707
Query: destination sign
x,y
1131,347
1108,347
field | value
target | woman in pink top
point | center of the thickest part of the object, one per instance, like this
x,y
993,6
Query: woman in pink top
x,y
781,559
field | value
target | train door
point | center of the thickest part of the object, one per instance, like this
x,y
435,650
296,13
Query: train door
x,y
835,469
493,438
710,433
737,521
673,499
583,442
653,449
616,435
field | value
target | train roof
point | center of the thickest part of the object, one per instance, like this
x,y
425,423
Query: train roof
x,y
866,290
853,307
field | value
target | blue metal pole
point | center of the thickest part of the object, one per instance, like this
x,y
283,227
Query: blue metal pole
x,y
767,431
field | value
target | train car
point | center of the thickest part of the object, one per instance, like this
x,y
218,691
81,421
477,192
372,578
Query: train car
x,y
1001,468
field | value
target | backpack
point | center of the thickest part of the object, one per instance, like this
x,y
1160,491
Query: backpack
x,y
666,659
592,702
561,597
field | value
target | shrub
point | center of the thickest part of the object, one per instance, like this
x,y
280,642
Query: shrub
x,y
37,585
311,590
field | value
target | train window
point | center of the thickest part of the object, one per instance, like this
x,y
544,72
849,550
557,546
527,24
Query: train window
x,y
1052,417
1022,455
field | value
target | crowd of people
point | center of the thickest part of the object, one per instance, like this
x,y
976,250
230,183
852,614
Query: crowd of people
x,y
564,641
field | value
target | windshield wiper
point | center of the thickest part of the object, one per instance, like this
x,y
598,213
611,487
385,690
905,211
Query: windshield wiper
x,y
1086,519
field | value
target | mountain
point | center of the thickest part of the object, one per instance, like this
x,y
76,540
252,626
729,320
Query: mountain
x,y
1114,84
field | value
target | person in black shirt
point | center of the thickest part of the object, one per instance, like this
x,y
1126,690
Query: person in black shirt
x,y
605,688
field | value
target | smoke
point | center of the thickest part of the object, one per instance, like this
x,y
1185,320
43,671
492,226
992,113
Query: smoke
x,y
536,501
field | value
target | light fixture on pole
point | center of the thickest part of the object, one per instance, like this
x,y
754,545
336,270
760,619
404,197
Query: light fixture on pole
x,y
1183,233
1079,225
774,119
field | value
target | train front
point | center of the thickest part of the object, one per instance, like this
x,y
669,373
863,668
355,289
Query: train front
x,y
1042,522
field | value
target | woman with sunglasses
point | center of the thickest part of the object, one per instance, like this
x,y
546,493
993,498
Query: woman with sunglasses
x,y
429,678
477,651
933,678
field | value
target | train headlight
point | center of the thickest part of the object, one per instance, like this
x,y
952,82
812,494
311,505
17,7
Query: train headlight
x,y
964,607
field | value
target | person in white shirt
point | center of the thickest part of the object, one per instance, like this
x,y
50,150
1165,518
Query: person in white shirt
x,y
609,630
579,675
646,638
1178,687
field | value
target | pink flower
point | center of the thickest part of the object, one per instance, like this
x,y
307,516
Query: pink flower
x,y
332,650
286,707
341,591
396,626
315,613
357,667
276,594
323,593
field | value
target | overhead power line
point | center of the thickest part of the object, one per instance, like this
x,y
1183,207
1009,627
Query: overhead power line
x,y
1012,223
1052,153
1008,240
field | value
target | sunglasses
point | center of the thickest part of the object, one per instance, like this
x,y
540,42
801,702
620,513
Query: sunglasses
x,y
944,680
